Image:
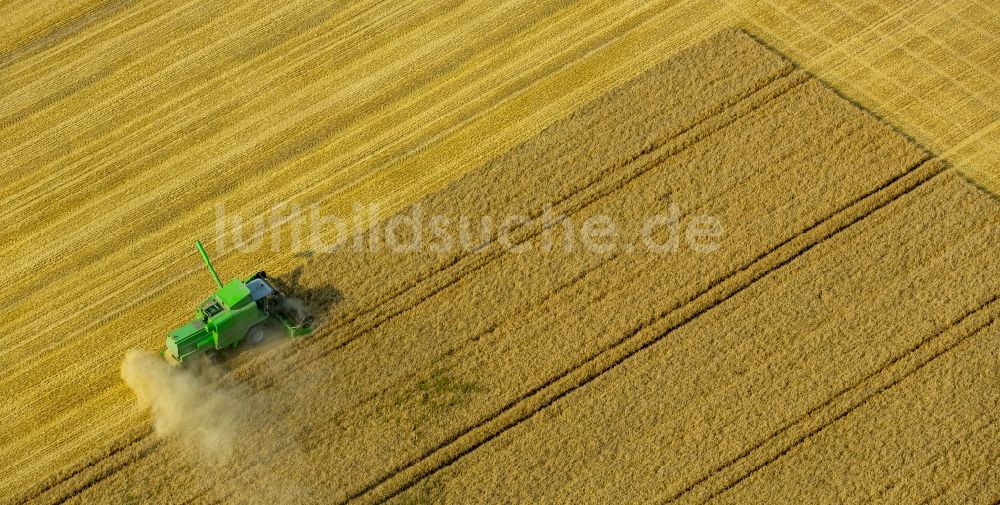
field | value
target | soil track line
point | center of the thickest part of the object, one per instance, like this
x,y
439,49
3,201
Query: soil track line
x,y
644,336
781,442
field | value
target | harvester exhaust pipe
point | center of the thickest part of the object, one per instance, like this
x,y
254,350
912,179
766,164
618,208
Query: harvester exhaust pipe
x,y
204,257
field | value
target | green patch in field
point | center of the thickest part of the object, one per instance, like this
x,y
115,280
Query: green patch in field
x,y
440,391
430,397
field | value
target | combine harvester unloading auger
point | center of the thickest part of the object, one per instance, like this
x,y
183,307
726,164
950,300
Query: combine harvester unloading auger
x,y
240,310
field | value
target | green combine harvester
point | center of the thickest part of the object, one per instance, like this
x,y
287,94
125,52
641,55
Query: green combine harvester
x,y
240,310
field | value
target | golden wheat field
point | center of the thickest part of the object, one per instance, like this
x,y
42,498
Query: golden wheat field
x,y
837,343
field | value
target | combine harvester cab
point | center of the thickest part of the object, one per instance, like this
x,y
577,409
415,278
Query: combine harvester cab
x,y
240,310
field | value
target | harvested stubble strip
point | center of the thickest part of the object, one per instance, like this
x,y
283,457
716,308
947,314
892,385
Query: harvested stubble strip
x,y
788,158
789,382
